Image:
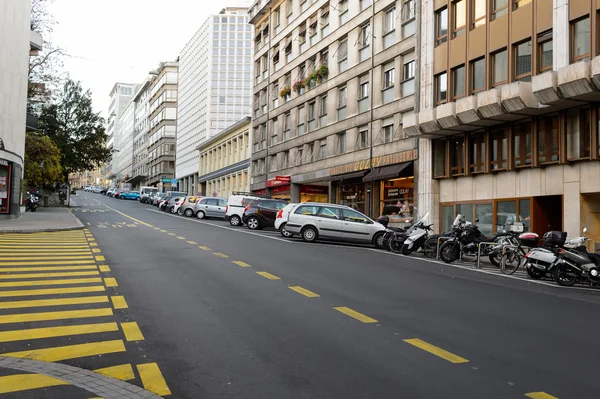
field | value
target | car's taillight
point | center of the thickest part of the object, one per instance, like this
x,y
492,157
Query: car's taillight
x,y
280,214
246,208
227,209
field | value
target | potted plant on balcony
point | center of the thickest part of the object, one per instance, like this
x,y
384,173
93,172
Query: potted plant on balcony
x,y
298,85
285,91
322,71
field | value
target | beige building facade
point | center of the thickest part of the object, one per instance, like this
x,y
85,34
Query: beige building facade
x,y
225,161
508,119
332,83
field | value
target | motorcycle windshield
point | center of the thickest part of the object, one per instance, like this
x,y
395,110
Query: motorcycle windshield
x,y
422,220
457,220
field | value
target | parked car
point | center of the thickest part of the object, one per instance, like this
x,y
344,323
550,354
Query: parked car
x,y
187,207
152,198
104,190
235,207
133,195
162,203
157,199
313,221
118,193
210,207
281,220
111,192
96,189
146,192
262,213
173,204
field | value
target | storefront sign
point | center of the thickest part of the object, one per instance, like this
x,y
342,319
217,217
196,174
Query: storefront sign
x,y
285,179
275,183
281,189
395,192
383,160
315,189
260,192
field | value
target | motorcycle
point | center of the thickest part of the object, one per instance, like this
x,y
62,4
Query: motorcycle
x,y
574,264
509,236
542,260
32,202
389,231
465,243
430,248
417,237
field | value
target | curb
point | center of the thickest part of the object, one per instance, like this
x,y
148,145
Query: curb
x,y
79,226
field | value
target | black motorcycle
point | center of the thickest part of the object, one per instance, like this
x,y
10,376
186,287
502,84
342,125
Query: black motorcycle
x,y
465,243
390,232
577,264
33,201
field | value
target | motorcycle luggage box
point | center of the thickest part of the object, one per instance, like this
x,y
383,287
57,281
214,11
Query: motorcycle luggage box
x,y
557,238
530,240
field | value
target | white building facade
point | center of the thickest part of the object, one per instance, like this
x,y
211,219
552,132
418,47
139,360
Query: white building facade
x,y
215,87
120,95
123,144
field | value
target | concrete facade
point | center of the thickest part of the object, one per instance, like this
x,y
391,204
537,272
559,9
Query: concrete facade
x,y
215,69
120,95
225,161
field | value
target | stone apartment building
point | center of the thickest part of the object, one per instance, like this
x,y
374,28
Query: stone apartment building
x,y
333,83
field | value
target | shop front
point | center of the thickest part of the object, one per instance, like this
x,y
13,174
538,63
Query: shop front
x,y
5,187
280,188
314,193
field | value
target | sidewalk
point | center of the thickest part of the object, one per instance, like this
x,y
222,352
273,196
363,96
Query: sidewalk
x,y
43,219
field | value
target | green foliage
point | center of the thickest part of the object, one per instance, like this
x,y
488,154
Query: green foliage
x,y
42,161
77,131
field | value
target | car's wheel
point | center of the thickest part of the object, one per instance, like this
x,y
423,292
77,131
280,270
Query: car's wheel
x,y
189,212
172,210
200,215
180,212
284,232
309,234
378,240
235,220
253,223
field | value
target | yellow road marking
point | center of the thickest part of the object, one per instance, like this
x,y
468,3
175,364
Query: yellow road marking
x,y
355,314
62,315
100,258
37,257
157,228
152,379
540,395
43,247
50,282
96,250
93,244
172,234
41,275
44,269
132,331
163,231
240,263
180,238
192,242
53,302
129,217
110,282
304,292
434,350
122,372
53,332
220,255
204,248
119,302
59,353
44,252
104,269
51,291
24,382
268,275
61,262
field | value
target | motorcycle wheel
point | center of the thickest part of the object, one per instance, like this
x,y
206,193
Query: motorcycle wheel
x,y
448,253
496,258
564,275
510,262
406,250
535,273
396,245
430,247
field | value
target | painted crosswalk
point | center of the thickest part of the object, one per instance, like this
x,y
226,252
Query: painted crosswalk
x,y
60,303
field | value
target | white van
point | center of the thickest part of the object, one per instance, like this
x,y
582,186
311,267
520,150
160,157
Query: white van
x,y
145,193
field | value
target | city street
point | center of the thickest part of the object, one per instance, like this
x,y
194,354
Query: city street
x,y
226,312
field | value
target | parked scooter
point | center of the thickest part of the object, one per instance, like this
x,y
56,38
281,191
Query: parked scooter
x,y
417,237
541,261
33,201
574,264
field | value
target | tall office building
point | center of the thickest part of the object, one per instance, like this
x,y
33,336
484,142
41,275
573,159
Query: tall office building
x,y
215,87
120,96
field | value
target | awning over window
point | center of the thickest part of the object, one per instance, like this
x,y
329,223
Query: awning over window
x,y
346,176
386,172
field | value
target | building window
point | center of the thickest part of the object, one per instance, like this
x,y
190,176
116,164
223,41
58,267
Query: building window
x,y
441,88
523,61
580,40
363,97
408,18
343,55
323,153
364,90
499,8
277,18
341,142
545,51
408,78
522,143
458,82
548,136
457,156
312,122
477,75
441,26
342,101
364,4
389,21
324,24
439,158
287,120
498,149
301,120
388,133
365,35
362,138
323,112
477,13
578,133
459,17
477,153
342,7
499,68
388,76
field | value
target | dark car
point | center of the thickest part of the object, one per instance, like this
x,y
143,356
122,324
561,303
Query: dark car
x,y
261,213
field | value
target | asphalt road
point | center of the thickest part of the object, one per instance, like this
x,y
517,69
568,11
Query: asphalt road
x,y
358,323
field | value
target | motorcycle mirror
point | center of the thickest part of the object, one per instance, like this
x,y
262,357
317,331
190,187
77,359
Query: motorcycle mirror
x,y
585,229
477,220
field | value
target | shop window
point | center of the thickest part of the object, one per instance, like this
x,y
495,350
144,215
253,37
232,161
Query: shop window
x,y
352,195
499,8
548,139
459,17
458,82
525,213
477,153
457,156
522,137
578,133
441,88
580,40
466,210
398,199
478,75
498,149
439,158
523,61
447,217
484,212
506,213
499,68
545,51
441,26
478,13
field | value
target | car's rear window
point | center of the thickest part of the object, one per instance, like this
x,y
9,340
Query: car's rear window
x,y
308,210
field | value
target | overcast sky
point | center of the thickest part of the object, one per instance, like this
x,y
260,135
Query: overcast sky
x,y
121,40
